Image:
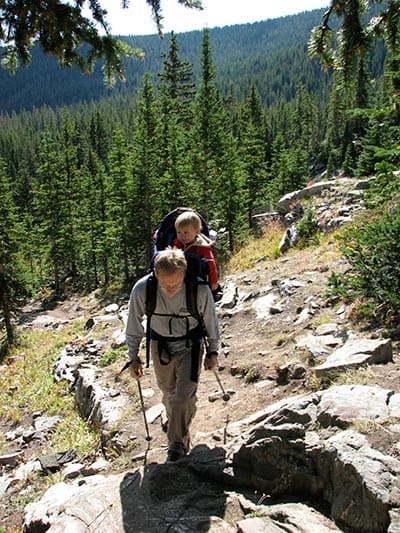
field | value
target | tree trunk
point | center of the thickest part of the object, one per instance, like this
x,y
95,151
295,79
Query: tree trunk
x,y
5,306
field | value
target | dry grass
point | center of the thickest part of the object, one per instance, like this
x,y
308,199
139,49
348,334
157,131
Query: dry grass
x,y
257,249
355,376
27,386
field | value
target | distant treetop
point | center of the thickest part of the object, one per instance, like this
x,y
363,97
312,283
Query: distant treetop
x,y
60,28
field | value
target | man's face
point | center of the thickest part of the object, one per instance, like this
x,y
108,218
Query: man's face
x,y
170,284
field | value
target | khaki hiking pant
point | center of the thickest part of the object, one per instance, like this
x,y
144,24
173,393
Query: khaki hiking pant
x,y
178,395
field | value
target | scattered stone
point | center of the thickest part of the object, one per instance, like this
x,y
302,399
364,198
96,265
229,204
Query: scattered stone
x,y
101,465
90,323
262,306
112,308
356,352
230,297
73,470
46,424
154,412
24,471
327,329
11,459
53,462
5,482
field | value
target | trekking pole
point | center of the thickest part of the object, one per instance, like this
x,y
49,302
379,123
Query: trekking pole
x,y
225,395
148,437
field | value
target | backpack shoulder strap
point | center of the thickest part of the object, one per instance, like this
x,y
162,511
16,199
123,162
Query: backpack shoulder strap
x,y
150,305
191,302
151,295
191,298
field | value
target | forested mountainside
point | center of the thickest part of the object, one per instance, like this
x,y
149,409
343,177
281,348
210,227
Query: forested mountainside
x,y
272,54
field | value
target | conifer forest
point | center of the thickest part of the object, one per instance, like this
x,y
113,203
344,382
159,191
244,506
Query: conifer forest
x,y
224,120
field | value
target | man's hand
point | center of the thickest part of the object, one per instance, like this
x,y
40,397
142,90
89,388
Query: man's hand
x,y
136,370
211,362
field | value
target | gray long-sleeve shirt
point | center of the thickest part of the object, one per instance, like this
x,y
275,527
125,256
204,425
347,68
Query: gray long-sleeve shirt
x,y
176,322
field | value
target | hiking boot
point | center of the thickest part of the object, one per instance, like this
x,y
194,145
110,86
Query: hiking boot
x,y
175,455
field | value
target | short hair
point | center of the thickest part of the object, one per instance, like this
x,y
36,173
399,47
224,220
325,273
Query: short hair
x,y
169,261
188,218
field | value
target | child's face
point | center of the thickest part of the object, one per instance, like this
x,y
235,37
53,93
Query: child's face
x,y
186,234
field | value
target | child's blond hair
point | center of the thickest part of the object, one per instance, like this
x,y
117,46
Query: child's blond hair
x,y
188,218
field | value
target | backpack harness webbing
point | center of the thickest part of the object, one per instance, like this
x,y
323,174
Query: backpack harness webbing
x,y
193,336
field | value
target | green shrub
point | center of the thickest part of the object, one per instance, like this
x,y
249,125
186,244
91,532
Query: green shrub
x,y
252,375
373,251
307,229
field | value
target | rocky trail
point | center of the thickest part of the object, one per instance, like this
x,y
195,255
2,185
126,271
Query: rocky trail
x,y
304,442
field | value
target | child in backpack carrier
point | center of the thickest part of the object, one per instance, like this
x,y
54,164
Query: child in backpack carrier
x,y
190,239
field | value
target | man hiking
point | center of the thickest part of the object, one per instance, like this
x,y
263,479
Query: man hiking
x,y
178,337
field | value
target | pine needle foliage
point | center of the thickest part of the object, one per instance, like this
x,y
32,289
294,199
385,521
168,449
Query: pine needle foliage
x,y
373,281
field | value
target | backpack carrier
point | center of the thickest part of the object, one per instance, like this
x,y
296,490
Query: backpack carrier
x,y
165,235
197,335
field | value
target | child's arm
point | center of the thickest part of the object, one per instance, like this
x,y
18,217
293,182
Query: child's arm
x,y
212,267
177,244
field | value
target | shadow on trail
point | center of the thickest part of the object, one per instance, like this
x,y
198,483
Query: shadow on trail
x,y
184,496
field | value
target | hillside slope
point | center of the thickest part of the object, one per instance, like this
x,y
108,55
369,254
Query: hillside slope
x,y
242,54
262,358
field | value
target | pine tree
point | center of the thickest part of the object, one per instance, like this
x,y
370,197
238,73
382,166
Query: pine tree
x,y
99,138
206,129
13,283
252,150
62,31
288,169
303,131
94,254
177,83
145,202
118,191
215,155
51,211
73,195
176,95
336,124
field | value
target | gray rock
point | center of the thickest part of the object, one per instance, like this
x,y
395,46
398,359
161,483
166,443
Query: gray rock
x,y
285,203
111,308
283,451
96,402
342,405
5,482
394,406
230,297
362,482
262,306
11,459
258,525
154,498
326,329
289,238
53,462
358,482
356,352
299,518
